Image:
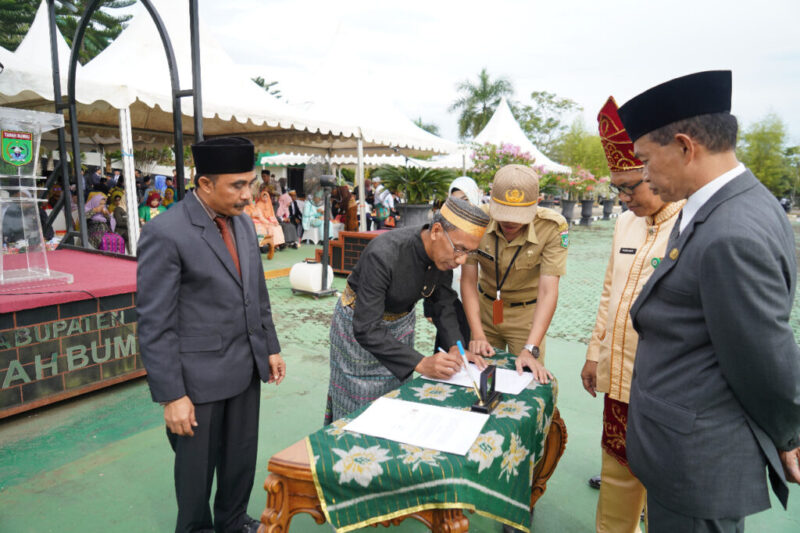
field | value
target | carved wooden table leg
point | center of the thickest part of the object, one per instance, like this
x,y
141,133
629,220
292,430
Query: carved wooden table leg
x,y
449,521
276,516
553,450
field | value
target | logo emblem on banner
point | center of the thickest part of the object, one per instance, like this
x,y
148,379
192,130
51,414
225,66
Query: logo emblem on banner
x,y
17,147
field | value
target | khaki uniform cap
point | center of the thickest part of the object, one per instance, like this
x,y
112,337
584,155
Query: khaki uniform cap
x,y
515,193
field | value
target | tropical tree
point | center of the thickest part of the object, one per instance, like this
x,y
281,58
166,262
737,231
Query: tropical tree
x,y
579,148
430,127
477,102
17,16
543,121
762,148
270,86
15,19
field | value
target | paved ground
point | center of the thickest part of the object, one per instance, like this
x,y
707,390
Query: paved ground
x,y
102,462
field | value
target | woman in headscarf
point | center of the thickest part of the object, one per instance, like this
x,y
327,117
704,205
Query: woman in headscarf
x,y
151,208
119,217
465,188
283,216
169,198
314,213
263,216
97,219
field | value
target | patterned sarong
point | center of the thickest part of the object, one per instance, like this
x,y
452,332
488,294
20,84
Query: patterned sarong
x,y
615,426
357,377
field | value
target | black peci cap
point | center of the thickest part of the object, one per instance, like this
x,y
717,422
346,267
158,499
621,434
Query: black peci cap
x,y
701,93
223,155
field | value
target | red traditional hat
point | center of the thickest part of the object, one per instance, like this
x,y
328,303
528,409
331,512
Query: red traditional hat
x,y
616,143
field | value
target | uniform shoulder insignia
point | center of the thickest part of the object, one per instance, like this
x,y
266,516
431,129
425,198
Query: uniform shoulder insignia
x,y
553,216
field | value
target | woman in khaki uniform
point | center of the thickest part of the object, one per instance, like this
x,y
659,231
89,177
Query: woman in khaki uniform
x,y
510,303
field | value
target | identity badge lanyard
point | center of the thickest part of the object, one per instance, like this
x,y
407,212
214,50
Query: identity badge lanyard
x,y
497,305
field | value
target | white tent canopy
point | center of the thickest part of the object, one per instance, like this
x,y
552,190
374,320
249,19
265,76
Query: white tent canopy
x,y
501,129
292,159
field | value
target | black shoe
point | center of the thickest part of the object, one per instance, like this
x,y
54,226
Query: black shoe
x,y
594,482
250,525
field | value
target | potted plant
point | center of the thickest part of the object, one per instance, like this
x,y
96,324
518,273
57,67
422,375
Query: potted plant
x,y
419,186
606,196
548,188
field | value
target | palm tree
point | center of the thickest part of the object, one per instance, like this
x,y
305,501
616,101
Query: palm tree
x,y
477,102
16,17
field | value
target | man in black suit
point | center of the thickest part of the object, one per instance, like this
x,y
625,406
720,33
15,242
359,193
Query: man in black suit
x,y
207,338
715,395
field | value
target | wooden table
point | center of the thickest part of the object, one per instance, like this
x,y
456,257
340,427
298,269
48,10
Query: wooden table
x,y
290,488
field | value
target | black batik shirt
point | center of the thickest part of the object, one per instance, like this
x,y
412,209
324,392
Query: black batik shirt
x,y
391,276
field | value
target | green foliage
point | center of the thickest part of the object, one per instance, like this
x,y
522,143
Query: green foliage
x,y
419,185
477,102
762,148
16,17
270,87
542,121
579,148
427,126
488,158
146,159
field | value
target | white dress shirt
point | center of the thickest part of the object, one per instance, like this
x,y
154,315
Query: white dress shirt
x,y
704,193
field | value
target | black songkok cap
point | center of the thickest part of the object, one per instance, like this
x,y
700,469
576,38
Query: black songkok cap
x,y
223,155
701,93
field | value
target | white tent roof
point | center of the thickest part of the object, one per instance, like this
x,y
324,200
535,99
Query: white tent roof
x,y
289,159
28,70
503,128
232,103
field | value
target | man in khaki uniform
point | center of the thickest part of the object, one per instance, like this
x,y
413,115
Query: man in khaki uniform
x,y
513,302
640,240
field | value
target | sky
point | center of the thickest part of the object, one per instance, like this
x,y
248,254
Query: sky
x,y
415,52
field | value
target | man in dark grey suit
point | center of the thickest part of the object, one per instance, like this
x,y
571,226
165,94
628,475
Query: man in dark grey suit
x,y
715,398
207,338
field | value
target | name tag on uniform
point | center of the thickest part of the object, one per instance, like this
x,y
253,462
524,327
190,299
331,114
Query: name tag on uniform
x,y
627,250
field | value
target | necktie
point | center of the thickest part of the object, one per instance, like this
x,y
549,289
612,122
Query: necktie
x,y
221,223
676,231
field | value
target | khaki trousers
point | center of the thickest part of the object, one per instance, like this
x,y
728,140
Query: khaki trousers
x,y
621,500
512,333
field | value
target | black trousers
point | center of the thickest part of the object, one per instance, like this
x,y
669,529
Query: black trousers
x,y
226,441
663,520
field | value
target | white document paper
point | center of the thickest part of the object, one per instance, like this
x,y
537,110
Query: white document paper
x,y
506,381
427,426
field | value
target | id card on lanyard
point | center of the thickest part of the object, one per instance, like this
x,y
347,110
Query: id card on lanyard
x,y
497,305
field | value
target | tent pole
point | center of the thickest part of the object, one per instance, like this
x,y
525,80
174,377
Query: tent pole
x,y
128,165
362,208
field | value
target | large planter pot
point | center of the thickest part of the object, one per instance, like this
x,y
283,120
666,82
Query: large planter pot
x,y
567,207
413,214
608,208
586,212
547,203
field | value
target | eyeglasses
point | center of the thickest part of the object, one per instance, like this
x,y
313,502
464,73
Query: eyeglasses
x,y
627,190
457,250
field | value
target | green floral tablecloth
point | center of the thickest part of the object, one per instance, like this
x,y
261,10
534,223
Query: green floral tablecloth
x,y
362,480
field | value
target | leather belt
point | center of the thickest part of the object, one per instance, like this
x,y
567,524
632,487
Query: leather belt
x,y
349,300
514,304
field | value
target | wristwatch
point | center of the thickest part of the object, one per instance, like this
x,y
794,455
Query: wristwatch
x,y
533,349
